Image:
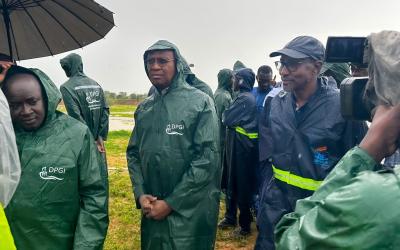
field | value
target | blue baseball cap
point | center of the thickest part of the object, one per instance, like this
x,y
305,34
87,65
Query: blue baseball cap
x,y
302,47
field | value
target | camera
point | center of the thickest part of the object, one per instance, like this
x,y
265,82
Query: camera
x,y
354,105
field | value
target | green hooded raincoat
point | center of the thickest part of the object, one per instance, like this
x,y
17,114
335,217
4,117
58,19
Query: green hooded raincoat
x,y
60,202
355,207
84,98
173,154
223,98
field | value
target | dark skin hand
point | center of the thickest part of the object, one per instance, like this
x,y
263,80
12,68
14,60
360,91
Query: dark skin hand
x,y
100,145
153,208
145,203
5,65
382,137
160,209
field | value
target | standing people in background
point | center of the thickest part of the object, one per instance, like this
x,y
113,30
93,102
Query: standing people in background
x,y
336,72
174,158
61,200
265,85
194,81
307,132
223,99
10,168
84,99
241,149
238,65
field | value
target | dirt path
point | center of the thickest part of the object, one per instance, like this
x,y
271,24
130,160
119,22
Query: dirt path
x,y
121,123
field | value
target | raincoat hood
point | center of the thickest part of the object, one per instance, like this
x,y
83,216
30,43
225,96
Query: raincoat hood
x,y
52,94
225,79
339,71
180,62
248,77
73,65
238,65
186,67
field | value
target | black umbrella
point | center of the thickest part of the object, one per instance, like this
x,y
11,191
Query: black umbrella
x,y
38,28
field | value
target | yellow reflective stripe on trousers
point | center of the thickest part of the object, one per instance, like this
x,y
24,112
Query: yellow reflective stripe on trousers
x,y
6,239
243,132
295,180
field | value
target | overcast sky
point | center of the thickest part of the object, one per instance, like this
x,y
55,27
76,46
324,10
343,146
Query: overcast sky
x,y
213,34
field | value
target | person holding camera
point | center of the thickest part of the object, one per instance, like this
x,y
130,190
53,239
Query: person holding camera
x,y
307,134
356,207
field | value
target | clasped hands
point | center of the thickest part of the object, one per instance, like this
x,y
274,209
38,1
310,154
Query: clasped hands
x,y
153,208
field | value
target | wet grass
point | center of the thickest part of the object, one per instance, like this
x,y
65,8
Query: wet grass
x,y
115,110
124,228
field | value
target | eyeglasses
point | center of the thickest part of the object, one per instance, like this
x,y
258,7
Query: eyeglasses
x,y
289,65
160,61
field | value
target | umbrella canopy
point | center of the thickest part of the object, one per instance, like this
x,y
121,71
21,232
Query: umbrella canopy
x,y
37,28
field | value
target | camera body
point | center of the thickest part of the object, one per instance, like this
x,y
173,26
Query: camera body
x,y
350,50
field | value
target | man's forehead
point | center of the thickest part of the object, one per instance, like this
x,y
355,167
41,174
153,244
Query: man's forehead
x,y
288,58
161,53
27,80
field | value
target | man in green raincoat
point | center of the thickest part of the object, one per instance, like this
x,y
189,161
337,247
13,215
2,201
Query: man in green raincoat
x,y
223,99
61,200
174,159
84,99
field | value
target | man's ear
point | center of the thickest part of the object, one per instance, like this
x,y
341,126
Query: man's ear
x,y
318,66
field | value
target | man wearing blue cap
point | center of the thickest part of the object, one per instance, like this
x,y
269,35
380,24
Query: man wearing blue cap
x,y
307,132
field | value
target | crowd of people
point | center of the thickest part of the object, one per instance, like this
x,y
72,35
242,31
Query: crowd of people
x,y
281,153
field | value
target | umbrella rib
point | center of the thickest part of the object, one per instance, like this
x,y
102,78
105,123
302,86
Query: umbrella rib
x,y
58,21
15,43
37,28
78,17
84,6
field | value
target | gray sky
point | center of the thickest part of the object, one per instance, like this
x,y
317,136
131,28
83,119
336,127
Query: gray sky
x,y
213,34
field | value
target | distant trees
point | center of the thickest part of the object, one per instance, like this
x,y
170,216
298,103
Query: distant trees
x,y
123,98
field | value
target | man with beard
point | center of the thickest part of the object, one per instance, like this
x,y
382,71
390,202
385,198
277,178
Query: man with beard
x,y
308,134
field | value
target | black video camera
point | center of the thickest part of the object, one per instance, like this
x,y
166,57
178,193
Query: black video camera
x,y
351,50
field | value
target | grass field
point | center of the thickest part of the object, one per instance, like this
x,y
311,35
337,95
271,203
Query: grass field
x,y
122,110
124,229
115,110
